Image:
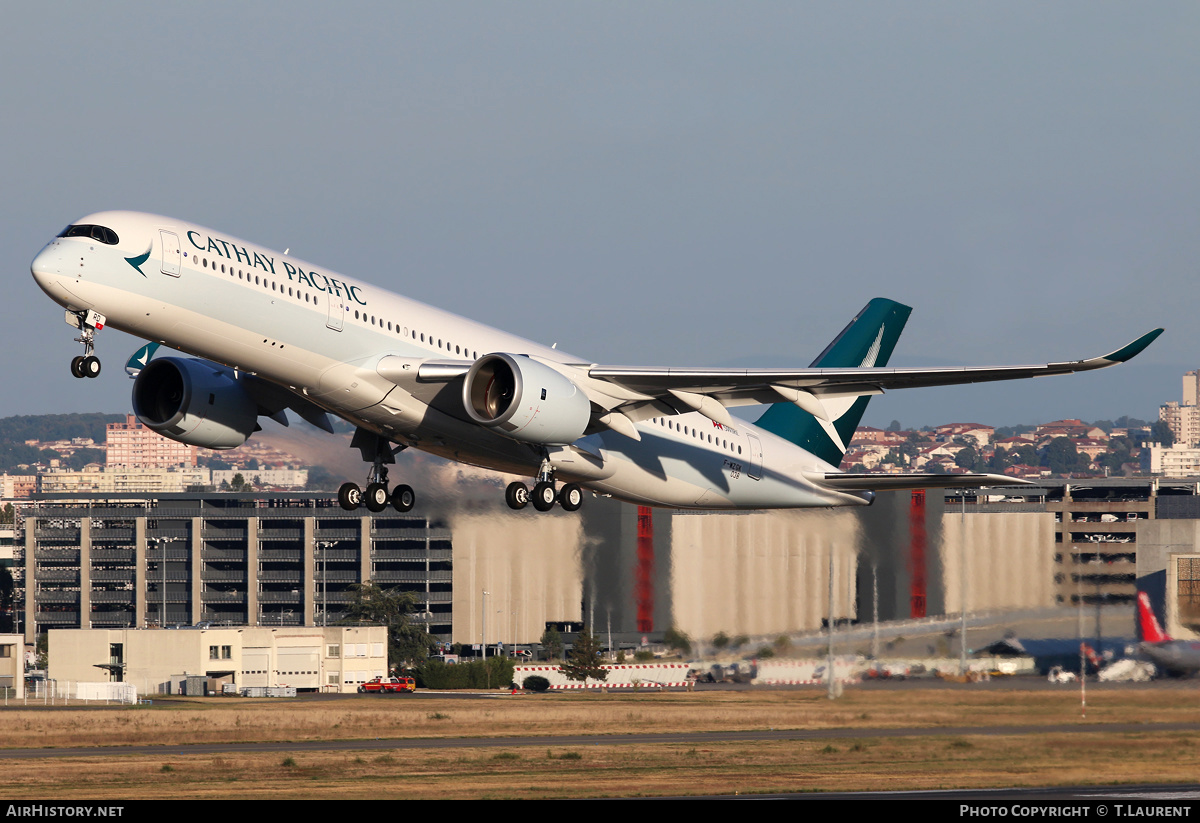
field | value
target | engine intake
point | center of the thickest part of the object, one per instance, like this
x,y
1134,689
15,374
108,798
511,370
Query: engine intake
x,y
194,402
525,400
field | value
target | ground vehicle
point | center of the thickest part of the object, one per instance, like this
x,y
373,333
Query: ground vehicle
x,y
390,685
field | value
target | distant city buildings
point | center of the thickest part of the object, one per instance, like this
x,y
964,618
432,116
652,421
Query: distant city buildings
x,y
131,445
1170,461
1183,417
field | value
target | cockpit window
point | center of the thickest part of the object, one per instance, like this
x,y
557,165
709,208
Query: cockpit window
x,y
101,234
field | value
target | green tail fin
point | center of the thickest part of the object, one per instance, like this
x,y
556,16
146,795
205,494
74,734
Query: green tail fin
x,y
867,341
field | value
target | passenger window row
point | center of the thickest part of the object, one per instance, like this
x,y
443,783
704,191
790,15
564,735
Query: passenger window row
x,y
308,297
692,431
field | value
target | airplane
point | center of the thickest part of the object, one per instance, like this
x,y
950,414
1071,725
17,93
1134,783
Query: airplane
x,y
271,333
1177,657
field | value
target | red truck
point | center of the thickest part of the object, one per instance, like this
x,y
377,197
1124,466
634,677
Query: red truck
x,y
390,685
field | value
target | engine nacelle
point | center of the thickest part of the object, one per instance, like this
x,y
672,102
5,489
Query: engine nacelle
x,y
525,400
195,402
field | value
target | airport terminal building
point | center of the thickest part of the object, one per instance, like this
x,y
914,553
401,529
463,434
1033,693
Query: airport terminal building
x,y
486,574
179,559
279,560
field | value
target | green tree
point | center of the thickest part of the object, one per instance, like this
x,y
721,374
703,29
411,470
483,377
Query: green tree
x,y
41,650
1000,460
1061,457
966,458
82,457
720,641
584,660
1027,456
673,638
1119,453
408,643
552,643
1160,432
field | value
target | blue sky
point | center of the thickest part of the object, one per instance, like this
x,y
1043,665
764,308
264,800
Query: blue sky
x,y
646,183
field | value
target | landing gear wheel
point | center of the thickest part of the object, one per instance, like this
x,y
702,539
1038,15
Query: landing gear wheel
x,y
516,495
77,366
90,367
350,497
403,498
544,496
376,497
571,497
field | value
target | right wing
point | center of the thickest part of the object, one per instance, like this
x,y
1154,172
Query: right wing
x,y
812,389
624,395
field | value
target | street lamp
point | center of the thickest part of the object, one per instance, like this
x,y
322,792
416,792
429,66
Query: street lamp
x,y
324,545
483,627
161,543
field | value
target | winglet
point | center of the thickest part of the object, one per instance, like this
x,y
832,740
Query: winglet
x,y
1133,349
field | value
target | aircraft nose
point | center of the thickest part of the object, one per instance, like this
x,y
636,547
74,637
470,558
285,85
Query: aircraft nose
x,y
46,267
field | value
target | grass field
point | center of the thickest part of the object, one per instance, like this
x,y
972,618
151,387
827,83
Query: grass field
x,y
598,768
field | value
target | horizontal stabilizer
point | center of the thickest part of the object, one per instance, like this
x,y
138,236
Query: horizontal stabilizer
x,y
889,482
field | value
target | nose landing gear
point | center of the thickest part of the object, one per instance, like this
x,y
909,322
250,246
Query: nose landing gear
x,y
88,322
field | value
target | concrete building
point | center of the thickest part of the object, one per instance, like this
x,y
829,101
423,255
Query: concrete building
x,y
486,574
17,485
262,478
1179,460
131,445
1168,563
1184,422
12,664
1183,417
133,561
95,479
275,560
156,661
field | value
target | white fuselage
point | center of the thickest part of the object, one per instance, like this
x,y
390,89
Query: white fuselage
x,y
321,335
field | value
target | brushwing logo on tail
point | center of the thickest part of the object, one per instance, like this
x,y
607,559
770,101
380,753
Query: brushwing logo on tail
x,y
837,407
867,341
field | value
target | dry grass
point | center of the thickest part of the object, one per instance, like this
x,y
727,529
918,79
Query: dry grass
x,y
599,769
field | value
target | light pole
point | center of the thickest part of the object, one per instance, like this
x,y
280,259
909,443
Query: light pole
x,y
962,584
483,627
324,545
162,543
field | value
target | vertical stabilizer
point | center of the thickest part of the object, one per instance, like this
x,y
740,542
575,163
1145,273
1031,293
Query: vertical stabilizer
x,y
1149,629
866,342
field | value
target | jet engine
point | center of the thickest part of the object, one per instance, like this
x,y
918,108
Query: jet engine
x,y
195,402
525,400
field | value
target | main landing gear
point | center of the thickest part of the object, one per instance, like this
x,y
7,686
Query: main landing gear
x,y
544,495
88,322
376,496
